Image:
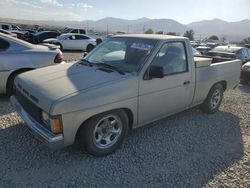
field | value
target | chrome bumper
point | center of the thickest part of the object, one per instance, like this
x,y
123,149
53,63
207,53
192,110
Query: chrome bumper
x,y
51,140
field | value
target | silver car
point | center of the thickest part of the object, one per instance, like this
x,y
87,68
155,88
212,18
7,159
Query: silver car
x,y
17,56
73,41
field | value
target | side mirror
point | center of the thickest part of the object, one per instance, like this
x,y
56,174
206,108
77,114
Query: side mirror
x,y
85,54
156,71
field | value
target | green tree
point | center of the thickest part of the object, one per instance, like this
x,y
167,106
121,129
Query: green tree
x,y
149,31
160,32
214,37
189,34
246,41
172,33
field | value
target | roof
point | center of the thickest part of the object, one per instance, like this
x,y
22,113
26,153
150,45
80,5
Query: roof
x,y
40,32
70,34
231,49
150,36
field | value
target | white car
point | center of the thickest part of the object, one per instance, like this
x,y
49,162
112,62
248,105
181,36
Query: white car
x,y
73,41
18,56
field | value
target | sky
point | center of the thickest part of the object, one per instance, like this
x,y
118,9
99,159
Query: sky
x,y
183,11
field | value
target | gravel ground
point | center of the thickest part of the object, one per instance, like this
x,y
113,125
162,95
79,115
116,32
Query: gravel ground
x,y
70,56
190,149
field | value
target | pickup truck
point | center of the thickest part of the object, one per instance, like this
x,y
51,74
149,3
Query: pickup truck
x,y
126,82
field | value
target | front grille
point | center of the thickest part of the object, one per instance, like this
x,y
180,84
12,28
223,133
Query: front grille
x,y
28,106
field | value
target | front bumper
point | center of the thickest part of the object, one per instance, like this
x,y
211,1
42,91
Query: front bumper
x,y
51,140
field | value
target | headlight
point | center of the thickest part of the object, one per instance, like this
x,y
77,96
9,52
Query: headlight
x,y
45,118
55,123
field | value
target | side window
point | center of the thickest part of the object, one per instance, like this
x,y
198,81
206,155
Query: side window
x,y
73,37
82,31
248,51
4,45
172,57
74,31
81,37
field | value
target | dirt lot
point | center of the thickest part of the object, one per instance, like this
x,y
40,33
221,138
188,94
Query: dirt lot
x,y
190,149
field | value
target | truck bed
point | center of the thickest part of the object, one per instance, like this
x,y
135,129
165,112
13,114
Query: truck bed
x,y
213,70
205,61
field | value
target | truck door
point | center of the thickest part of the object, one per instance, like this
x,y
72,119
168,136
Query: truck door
x,y
162,96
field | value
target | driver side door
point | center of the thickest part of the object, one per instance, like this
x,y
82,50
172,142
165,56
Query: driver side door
x,y
159,97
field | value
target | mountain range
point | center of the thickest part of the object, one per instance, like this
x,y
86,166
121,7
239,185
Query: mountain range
x,y
233,31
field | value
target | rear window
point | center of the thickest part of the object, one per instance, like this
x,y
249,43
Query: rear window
x,y
4,45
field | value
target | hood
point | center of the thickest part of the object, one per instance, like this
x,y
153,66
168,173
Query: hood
x,y
53,83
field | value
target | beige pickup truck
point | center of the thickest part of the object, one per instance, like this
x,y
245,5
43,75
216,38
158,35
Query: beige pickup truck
x,y
126,82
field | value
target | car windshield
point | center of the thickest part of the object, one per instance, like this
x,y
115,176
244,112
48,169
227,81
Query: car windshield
x,y
124,53
67,30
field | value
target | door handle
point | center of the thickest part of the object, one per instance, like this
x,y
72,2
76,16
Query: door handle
x,y
186,83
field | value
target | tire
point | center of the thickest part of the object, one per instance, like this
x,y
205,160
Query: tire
x,y
90,47
99,137
213,100
98,41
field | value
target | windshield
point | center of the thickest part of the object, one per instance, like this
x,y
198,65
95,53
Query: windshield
x,y
126,54
67,30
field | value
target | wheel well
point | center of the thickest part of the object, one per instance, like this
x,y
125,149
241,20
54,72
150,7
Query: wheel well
x,y
223,83
126,110
16,72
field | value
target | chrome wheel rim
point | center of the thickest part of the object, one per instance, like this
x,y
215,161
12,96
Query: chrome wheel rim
x,y
107,131
216,98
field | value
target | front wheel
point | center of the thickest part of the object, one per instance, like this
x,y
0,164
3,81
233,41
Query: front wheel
x,y
104,133
213,100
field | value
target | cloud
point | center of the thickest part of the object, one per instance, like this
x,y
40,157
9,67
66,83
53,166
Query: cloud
x,y
81,5
84,5
52,2
24,3
23,10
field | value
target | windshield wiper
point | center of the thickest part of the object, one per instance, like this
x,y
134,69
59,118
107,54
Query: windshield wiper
x,y
110,67
86,62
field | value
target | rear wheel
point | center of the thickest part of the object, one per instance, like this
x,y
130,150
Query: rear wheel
x,y
90,47
104,133
213,100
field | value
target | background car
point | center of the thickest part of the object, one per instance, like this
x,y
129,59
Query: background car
x,y
196,52
245,73
72,41
241,53
73,30
36,38
203,49
18,56
6,26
